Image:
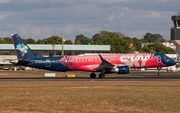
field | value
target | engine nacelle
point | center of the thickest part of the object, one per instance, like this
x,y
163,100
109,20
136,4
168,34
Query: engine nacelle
x,y
122,69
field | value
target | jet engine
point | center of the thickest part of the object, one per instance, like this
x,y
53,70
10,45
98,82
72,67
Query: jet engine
x,y
122,69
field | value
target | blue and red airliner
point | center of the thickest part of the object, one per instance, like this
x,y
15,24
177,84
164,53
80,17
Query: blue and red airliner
x,y
103,63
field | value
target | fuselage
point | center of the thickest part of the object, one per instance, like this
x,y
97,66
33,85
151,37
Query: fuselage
x,y
91,61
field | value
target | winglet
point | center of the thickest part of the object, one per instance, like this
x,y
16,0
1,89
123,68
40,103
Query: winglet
x,y
102,58
104,65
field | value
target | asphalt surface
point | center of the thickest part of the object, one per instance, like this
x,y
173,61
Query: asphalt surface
x,y
133,76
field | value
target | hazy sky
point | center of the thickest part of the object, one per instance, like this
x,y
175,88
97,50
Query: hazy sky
x,y
39,19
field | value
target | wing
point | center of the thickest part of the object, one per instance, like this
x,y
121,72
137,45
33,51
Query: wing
x,y
104,65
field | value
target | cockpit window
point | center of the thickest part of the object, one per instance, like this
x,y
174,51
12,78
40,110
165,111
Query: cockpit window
x,y
165,57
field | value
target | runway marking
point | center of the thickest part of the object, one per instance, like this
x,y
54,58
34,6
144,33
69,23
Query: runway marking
x,y
157,74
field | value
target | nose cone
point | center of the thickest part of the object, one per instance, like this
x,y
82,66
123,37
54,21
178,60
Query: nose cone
x,y
173,62
169,62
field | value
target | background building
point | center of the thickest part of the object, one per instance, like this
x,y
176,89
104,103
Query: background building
x,y
167,44
175,32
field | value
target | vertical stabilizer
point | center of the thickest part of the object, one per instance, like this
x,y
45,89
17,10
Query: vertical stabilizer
x,y
22,49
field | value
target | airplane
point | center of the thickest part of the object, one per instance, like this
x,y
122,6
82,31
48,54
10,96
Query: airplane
x,y
103,63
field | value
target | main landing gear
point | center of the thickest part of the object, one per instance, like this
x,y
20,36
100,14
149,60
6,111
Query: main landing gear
x,y
101,75
93,75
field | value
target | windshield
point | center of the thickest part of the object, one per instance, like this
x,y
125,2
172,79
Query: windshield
x,y
165,57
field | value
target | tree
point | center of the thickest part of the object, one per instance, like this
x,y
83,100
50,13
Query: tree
x,y
106,34
2,41
30,41
83,39
51,40
77,42
118,45
148,37
158,48
137,43
128,39
39,41
8,40
24,40
68,42
153,38
119,34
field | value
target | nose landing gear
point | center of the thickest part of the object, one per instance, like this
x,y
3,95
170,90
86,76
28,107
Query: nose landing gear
x,y
159,73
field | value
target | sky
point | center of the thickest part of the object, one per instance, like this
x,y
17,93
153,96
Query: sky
x,y
40,19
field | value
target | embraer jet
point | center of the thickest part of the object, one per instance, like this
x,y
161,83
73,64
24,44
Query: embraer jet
x,y
104,63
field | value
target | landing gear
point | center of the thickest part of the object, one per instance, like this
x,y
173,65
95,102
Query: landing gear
x,y
93,75
159,74
101,75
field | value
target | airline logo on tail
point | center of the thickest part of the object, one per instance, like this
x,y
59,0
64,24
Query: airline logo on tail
x,y
23,48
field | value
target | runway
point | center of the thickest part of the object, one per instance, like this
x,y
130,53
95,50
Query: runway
x,y
133,76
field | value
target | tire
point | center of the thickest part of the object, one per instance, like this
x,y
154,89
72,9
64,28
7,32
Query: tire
x,y
101,75
159,74
92,75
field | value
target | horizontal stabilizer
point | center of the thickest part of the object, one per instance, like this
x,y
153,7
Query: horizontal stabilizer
x,y
19,62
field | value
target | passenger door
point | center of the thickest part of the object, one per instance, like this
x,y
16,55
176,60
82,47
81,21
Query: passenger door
x,y
48,63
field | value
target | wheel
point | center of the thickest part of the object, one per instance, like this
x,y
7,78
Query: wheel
x,y
93,75
101,75
159,74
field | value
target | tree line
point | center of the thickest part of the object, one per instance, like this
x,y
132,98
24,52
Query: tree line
x,y
121,44
118,42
